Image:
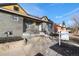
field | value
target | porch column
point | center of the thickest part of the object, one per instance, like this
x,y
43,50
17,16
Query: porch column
x,y
40,27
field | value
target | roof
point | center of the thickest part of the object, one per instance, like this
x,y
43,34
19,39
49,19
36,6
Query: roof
x,y
50,21
29,16
13,12
60,26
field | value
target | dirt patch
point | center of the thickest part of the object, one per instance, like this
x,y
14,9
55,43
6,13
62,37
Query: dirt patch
x,y
11,45
34,46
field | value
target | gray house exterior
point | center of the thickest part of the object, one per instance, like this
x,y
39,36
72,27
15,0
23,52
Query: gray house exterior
x,y
19,22
8,23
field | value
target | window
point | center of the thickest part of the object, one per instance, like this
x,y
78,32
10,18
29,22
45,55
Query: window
x,y
15,18
49,26
16,8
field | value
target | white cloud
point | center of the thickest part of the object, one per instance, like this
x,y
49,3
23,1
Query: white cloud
x,y
73,11
69,13
53,4
37,11
58,16
33,9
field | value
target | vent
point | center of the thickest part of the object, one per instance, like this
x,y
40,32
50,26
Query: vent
x,y
16,8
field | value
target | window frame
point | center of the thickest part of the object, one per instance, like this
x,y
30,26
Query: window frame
x,y
16,18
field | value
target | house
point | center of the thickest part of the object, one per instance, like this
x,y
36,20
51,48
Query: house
x,y
58,28
14,19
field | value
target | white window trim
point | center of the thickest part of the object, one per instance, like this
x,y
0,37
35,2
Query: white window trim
x,y
15,18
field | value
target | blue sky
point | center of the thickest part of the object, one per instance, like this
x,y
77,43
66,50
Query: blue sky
x,y
57,12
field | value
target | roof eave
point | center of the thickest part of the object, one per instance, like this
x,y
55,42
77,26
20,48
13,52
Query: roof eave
x,y
39,19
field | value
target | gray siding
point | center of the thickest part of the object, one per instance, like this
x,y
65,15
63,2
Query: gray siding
x,y
7,23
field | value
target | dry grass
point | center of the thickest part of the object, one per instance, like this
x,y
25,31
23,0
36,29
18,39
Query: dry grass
x,y
34,45
11,45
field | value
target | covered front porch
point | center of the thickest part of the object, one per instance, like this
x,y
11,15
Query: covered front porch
x,y
32,26
35,27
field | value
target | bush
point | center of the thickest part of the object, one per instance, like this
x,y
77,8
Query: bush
x,y
10,39
54,34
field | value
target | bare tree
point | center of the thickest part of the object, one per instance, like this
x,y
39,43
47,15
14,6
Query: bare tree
x,y
76,24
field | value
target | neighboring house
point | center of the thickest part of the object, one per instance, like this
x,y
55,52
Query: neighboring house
x,y
58,28
15,19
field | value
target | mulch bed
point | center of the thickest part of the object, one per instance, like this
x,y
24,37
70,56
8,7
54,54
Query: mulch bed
x,y
66,49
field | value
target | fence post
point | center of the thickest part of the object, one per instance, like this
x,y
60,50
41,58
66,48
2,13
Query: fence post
x,y
59,38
